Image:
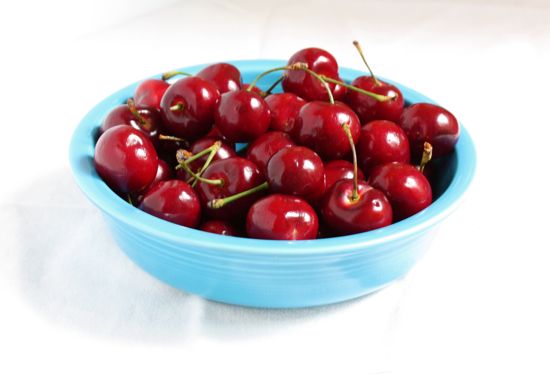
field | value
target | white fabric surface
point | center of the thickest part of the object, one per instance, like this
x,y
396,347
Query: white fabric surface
x,y
75,309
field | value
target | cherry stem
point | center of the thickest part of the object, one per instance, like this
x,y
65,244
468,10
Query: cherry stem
x,y
218,182
355,194
219,203
375,96
426,156
133,109
251,86
272,87
214,149
321,78
360,50
168,75
173,138
179,106
129,198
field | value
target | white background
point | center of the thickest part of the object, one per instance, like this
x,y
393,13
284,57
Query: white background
x,y
75,309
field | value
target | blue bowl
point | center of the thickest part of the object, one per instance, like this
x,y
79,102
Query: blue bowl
x,y
267,273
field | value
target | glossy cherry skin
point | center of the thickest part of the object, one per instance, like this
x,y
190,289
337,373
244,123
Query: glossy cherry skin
x,y
302,83
164,172
174,201
382,142
220,227
149,93
284,109
242,116
238,175
125,159
339,92
337,170
282,217
224,75
344,216
264,147
425,122
405,186
369,109
319,126
198,98
297,171
151,125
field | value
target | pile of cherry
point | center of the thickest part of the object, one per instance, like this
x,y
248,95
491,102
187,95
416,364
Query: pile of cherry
x,y
324,158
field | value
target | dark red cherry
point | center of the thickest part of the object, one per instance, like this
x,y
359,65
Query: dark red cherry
x,y
346,215
220,227
284,109
367,108
238,175
282,217
337,170
224,75
264,147
242,116
125,159
164,172
297,171
339,93
405,186
305,85
145,119
425,122
382,142
149,93
319,127
174,201
187,107
166,150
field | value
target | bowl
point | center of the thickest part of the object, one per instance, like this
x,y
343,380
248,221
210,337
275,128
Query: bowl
x,y
268,273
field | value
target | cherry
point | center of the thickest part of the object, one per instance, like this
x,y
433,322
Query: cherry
x,y
368,108
353,206
297,171
304,84
284,109
264,147
229,177
242,116
125,159
381,142
282,217
174,201
339,91
405,186
164,172
336,170
319,127
149,93
425,122
145,119
225,76
187,107
220,227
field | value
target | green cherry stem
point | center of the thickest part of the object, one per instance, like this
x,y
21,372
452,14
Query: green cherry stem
x,y
251,86
214,149
185,166
179,106
375,96
173,138
321,78
355,194
426,156
360,50
219,203
168,75
133,109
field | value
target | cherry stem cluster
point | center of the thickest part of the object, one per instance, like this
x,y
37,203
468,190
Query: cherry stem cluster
x,y
184,158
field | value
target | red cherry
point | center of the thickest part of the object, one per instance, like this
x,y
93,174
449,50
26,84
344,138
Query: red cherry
x,y
382,142
220,227
346,215
297,171
164,172
339,93
242,116
368,108
406,187
187,107
174,201
264,147
282,217
149,93
238,175
284,109
146,120
424,122
225,76
319,127
125,159
304,84
337,170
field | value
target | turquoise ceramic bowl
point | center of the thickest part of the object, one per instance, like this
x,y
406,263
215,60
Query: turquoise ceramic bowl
x,y
266,273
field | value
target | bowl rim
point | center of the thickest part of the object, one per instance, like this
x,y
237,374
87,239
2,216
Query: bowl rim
x,y
81,152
